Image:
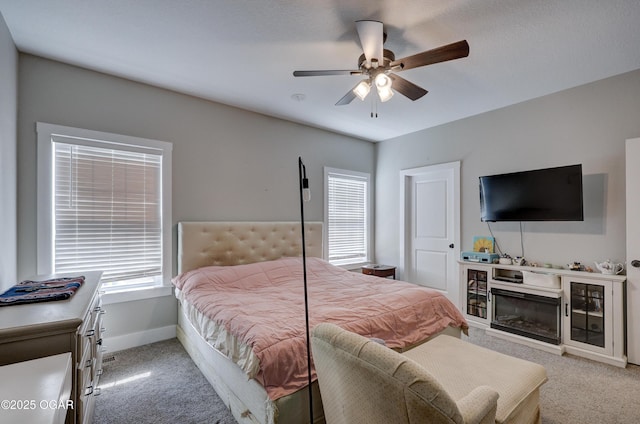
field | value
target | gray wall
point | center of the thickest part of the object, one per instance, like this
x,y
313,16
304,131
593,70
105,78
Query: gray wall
x,y
233,164
586,124
228,164
8,169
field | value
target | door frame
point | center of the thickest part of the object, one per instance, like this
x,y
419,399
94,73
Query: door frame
x,y
405,176
633,274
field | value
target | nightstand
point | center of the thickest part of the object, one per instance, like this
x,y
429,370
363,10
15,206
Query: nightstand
x,y
379,270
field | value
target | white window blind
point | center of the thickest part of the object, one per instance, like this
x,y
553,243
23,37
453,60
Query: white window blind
x,y
347,217
107,213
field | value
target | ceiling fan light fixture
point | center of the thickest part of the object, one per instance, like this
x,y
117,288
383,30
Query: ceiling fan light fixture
x,y
385,93
362,89
383,84
383,81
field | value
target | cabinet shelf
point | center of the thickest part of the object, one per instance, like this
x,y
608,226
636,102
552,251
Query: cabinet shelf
x,y
477,293
590,313
592,331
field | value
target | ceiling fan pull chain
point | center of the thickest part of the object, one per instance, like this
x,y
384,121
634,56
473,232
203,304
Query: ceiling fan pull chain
x,y
372,100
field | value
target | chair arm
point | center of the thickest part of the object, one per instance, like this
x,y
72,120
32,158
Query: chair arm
x,y
479,406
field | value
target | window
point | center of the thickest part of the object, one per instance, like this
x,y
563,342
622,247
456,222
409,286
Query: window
x,y
347,216
106,205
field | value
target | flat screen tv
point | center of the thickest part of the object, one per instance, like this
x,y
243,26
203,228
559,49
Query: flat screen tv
x,y
551,194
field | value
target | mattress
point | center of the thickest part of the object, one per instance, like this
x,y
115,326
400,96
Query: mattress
x,y
224,304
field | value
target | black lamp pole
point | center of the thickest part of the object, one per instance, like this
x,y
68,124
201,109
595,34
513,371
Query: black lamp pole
x,y
304,196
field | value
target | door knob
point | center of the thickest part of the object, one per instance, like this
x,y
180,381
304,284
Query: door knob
x,y
451,246
635,263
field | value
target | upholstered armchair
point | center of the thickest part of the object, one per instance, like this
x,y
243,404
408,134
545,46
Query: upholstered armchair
x,y
362,381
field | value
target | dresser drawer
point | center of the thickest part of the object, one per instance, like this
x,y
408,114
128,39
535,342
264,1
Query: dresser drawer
x,y
90,367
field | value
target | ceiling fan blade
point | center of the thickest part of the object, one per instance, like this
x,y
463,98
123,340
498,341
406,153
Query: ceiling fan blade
x,y
407,88
371,39
325,73
451,51
347,98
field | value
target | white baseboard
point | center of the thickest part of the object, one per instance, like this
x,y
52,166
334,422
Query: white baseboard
x,y
127,341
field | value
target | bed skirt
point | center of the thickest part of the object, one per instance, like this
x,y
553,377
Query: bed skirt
x,y
246,398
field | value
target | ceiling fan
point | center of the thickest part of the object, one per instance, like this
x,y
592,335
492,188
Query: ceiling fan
x,y
378,65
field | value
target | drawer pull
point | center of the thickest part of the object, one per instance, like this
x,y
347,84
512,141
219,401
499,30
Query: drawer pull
x,y
99,372
103,330
97,391
97,309
91,333
88,363
99,342
88,390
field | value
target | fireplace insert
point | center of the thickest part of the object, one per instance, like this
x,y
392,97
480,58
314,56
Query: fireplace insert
x,y
528,315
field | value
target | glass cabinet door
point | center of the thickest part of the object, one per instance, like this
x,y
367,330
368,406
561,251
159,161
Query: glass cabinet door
x,y
477,293
587,313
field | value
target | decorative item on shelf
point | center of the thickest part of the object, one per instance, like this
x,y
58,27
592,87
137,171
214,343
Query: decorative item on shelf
x,y
482,257
519,260
505,259
483,244
575,266
608,267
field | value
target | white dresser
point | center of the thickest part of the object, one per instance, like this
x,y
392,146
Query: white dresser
x,y
74,326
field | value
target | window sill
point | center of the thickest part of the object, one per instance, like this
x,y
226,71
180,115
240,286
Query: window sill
x,y
354,267
130,295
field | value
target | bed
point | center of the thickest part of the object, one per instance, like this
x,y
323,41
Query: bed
x,y
229,354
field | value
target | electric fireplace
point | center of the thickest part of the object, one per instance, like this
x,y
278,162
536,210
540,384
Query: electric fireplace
x,y
529,315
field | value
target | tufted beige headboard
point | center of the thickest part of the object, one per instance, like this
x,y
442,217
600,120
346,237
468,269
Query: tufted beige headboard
x,y
234,243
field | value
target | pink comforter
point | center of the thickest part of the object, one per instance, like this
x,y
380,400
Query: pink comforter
x,y
262,304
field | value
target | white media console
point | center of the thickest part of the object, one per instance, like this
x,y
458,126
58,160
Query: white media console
x,y
557,310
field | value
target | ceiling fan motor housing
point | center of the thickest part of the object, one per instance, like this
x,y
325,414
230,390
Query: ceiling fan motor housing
x,y
387,59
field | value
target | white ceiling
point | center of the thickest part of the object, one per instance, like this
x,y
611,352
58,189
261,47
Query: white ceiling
x,y
243,52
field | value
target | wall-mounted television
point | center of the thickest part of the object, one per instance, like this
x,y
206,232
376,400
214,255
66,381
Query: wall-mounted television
x,y
551,194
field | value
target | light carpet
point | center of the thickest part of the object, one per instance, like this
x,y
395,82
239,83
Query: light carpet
x,y
157,383
579,390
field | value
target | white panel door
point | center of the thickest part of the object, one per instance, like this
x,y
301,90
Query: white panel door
x,y
430,227
633,249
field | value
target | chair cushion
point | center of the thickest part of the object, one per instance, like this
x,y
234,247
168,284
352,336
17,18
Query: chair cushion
x,y
461,366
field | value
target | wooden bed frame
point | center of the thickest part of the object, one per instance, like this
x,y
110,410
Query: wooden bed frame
x,y
234,243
